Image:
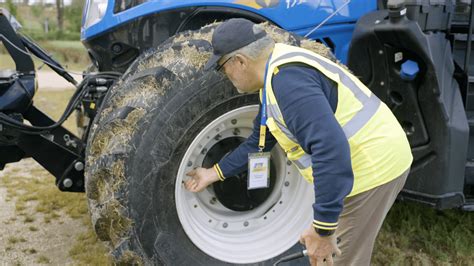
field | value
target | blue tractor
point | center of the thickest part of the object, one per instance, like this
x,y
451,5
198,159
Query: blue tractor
x,y
148,114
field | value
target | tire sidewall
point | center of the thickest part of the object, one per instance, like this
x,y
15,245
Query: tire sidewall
x,y
155,164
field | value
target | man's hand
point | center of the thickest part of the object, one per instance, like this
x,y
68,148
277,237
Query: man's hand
x,y
200,179
320,249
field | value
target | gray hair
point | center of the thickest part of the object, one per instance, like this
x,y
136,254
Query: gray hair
x,y
257,49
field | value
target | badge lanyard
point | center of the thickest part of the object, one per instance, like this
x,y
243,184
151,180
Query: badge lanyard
x,y
263,113
259,163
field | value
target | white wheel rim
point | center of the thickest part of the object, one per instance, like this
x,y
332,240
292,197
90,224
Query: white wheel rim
x,y
242,237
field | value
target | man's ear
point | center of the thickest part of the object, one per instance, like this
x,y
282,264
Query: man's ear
x,y
242,60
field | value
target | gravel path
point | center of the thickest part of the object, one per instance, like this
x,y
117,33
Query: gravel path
x,y
48,243
49,80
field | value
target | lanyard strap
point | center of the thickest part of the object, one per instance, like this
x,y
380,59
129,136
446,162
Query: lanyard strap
x,y
263,113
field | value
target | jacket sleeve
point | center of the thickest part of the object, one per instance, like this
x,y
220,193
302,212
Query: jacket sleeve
x,y
236,161
301,94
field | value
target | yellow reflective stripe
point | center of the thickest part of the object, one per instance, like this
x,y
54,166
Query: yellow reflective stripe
x,y
344,78
325,227
370,103
271,99
261,140
324,223
275,71
329,68
219,172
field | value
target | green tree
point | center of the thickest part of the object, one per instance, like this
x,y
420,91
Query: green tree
x,y
60,13
12,8
37,10
74,15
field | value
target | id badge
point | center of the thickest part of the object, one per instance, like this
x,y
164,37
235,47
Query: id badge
x,y
259,170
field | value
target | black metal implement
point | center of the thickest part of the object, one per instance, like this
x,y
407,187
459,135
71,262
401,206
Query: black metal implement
x,y
292,256
298,255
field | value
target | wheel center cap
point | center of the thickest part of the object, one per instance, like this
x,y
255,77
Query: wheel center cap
x,y
233,192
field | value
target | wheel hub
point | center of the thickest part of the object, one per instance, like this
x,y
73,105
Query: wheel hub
x,y
233,193
227,221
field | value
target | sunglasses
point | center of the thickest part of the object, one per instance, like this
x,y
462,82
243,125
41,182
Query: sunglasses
x,y
219,67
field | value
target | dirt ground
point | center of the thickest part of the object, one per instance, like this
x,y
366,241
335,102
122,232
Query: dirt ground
x,y
49,80
26,240
40,225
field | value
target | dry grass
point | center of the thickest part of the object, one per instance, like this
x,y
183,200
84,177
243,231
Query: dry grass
x,y
13,240
70,54
39,197
411,235
43,260
87,250
414,234
53,104
38,201
33,228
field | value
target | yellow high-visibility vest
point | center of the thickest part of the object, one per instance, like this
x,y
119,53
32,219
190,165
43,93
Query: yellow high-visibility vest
x,y
379,148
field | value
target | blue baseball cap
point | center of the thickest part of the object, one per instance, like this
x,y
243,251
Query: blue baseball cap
x,y
230,36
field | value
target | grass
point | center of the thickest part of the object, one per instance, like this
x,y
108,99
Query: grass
x,y
40,191
87,251
14,240
71,54
67,44
30,251
43,260
411,235
50,202
33,228
416,234
53,104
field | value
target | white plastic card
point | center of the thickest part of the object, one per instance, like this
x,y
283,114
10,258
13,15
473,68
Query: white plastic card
x,y
259,170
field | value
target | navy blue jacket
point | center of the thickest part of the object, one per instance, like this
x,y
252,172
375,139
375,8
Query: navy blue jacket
x,y
308,101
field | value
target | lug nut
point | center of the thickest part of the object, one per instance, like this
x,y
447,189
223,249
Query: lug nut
x,y
213,200
246,223
225,225
67,183
233,121
116,48
218,137
79,166
204,151
190,163
236,132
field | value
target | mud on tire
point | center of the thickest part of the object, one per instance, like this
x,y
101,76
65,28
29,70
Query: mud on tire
x,y
139,138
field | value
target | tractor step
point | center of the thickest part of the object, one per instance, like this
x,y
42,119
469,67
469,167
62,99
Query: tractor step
x,y
468,206
470,95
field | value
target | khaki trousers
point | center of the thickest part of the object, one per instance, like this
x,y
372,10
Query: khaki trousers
x,y
361,220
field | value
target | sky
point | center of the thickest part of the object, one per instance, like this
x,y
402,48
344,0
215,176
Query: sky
x,y
66,2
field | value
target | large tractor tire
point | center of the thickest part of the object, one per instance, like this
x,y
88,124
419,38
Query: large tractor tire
x,y
165,117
